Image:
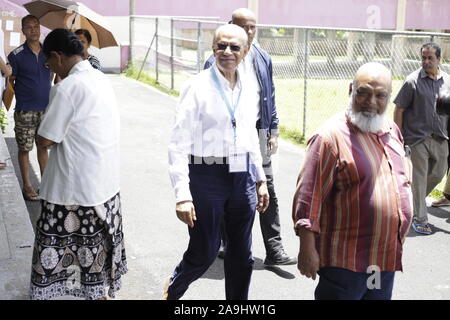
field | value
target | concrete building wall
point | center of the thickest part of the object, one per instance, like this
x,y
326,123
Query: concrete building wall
x,y
373,14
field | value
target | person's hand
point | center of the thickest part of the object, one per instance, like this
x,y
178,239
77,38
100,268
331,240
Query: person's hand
x,y
8,71
186,212
263,196
308,262
273,145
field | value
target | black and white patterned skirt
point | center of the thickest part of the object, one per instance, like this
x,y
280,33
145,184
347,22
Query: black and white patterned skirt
x,y
78,251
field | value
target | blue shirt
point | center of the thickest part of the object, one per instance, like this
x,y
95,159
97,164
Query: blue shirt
x,y
32,84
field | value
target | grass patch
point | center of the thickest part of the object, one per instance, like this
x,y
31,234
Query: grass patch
x,y
292,135
133,72
435,194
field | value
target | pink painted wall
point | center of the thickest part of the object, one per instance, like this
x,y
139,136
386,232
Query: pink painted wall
x,y
215,8
421,14
104,7
12,8
330,13
428,14
220,8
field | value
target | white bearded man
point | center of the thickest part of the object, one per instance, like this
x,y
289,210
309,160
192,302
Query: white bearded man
x,y
353,205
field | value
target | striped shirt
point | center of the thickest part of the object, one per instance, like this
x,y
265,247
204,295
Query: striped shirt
x,y
354,192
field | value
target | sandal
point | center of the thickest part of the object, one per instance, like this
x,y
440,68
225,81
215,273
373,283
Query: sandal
x,y
31,197
441,202
422,228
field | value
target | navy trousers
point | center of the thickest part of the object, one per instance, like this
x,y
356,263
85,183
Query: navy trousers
x,y
218,194
343,284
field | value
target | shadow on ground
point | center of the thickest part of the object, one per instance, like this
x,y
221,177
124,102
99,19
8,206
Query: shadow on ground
x,y
440,212
216,270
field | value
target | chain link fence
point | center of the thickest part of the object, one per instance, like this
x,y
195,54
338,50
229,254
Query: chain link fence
x,y
312,68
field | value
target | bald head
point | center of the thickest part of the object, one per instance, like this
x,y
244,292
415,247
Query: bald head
x,y
245,19
242,13
230,31
374,71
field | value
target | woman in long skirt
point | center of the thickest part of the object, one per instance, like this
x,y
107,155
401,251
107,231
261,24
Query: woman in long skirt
x,y
79,247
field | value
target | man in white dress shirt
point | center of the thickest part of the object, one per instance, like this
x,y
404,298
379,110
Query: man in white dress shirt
x,y
257,64
216,168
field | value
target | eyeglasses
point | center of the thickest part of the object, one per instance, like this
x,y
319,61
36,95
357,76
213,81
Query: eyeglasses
x,y
223,46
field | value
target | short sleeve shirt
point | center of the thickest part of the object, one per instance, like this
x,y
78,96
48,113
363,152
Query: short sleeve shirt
x,y
33,82
418,97
83,119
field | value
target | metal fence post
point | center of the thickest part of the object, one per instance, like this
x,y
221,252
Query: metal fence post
x,y
199,47
146,57
172,74
157,54
131,30
305,81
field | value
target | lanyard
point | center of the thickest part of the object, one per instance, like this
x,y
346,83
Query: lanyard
x,y
231,109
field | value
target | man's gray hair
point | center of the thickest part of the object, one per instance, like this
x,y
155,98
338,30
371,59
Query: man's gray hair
x,y
231,29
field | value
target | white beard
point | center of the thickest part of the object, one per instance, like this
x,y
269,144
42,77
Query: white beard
x,y
366,121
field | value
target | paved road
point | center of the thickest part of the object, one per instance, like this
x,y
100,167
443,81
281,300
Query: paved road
x,y
156,239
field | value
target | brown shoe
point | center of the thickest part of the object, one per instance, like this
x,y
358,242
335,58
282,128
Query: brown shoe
x,y
441,202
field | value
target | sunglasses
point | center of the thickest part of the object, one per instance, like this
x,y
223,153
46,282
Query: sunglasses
x,y
224,46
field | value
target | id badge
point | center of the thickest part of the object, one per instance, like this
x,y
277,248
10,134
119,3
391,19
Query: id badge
x,y
237,160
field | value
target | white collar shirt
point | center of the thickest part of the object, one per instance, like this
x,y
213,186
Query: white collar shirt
x,y
203,126
247,67
83,119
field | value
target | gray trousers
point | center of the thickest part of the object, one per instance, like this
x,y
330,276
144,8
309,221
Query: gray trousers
x,y
429,160
270,219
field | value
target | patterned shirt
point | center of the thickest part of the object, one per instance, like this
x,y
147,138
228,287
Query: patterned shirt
x,y
354,193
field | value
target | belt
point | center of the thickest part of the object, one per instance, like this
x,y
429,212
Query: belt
x,y
207,160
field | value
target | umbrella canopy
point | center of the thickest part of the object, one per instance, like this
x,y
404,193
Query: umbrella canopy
x,y
72,15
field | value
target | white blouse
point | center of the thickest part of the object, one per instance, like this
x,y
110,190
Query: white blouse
x,y
83,119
